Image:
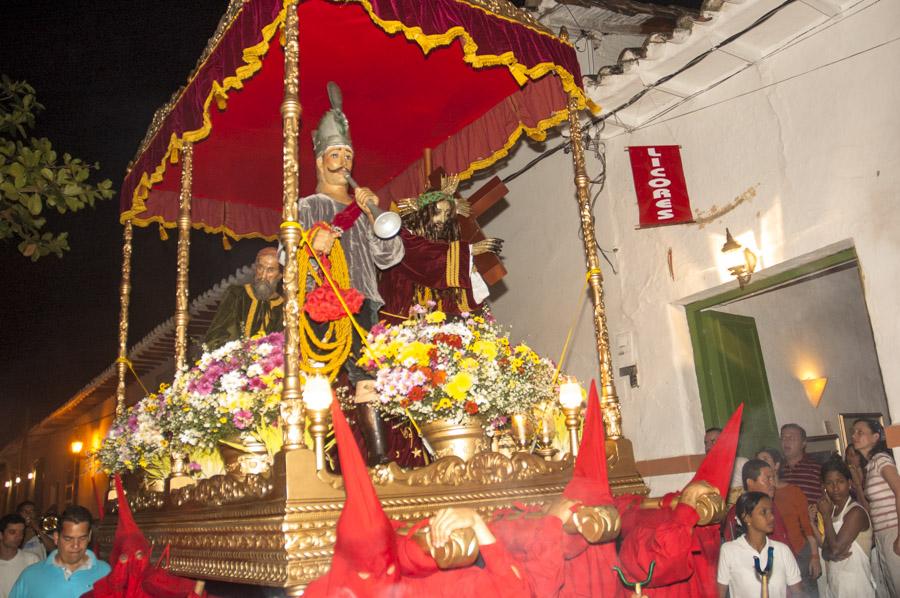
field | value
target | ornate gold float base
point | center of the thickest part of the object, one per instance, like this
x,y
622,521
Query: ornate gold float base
x,y
279,530
623,474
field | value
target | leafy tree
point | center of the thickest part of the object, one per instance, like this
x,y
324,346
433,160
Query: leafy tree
x,y
33,181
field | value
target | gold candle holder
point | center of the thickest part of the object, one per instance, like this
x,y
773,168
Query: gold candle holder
x,y
317,396
570,398
545,447
519,427
178,475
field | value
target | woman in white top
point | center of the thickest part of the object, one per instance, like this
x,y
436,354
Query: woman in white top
x,y
737,572
848,535
882,495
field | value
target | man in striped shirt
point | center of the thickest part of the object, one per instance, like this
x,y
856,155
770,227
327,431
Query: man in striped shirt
x,y
798,468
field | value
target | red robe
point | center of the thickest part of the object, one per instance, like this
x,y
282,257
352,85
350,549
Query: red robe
x,y
435,265
558,564
501,577
686,556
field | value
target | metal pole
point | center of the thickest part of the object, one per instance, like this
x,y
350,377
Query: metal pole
x,y
609,403
292,409
184,253
124,299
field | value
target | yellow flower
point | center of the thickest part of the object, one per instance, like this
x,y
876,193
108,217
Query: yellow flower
x,y
223,420
523,348
516,363
459,385
417,351
486,349
444,403
436,317
468,363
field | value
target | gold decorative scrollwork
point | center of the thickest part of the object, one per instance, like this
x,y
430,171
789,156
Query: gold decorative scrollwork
x,y
483,469
221,490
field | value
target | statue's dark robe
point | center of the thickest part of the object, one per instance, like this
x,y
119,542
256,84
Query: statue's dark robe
x,y
242,315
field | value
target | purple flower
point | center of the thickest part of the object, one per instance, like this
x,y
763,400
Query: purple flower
x,y
194,466
256,384
242,419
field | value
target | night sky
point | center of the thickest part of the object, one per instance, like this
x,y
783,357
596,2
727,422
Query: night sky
x,y
101,68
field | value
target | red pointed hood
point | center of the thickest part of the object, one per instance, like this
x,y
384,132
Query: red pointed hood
x,y
365,551
590,480
129,538
719,462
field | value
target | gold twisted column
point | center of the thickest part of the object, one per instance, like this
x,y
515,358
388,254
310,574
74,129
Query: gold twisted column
x,y
623,473
612,416
184,252
124,300
292,412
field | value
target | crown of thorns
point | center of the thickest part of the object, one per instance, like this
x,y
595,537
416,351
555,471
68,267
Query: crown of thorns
x,y
446,192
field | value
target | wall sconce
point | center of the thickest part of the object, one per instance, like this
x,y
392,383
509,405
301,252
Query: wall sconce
x,y
76,447
814,388
30,475
741,264
18,480
7,484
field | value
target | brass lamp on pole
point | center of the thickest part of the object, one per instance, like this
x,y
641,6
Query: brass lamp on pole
x,y
317,397
570,398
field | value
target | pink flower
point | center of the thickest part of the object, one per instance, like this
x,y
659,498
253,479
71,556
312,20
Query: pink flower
x,y
242,419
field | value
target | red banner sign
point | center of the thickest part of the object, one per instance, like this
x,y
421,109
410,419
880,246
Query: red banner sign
x,y
659,184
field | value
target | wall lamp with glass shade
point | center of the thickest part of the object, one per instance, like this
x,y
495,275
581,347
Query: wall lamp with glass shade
x,y
741,264
76,447
814,388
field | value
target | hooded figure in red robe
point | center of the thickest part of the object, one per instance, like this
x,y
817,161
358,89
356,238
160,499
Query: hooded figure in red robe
x,y
132,576
558,561
371,561
686,554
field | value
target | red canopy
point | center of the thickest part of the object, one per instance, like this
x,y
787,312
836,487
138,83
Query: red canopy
x,y
448,75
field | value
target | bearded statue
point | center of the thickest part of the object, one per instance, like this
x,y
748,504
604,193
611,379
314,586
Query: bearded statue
x,y
250,309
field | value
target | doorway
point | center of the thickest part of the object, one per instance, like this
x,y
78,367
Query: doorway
x,y
758,344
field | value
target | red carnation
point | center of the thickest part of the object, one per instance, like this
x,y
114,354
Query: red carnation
x,y
471,407
416,394
322,304
440,376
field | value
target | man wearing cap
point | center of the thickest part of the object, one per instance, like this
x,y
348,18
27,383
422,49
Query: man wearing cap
x,y
437,266
250,309
341,217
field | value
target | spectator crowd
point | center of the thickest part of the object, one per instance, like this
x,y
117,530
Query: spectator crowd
x,y
814,529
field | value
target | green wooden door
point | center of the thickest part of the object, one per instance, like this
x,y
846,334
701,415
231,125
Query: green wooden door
x,y
731,371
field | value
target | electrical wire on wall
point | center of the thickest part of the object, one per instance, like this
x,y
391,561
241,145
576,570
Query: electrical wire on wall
x,y
598,123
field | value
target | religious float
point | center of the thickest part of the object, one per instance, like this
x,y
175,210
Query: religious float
x,y
440,86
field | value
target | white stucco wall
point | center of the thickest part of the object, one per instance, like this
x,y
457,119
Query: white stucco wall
x,y
819,155
816,328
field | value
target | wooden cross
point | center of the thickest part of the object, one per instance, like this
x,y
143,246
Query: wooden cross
x,y
489,265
